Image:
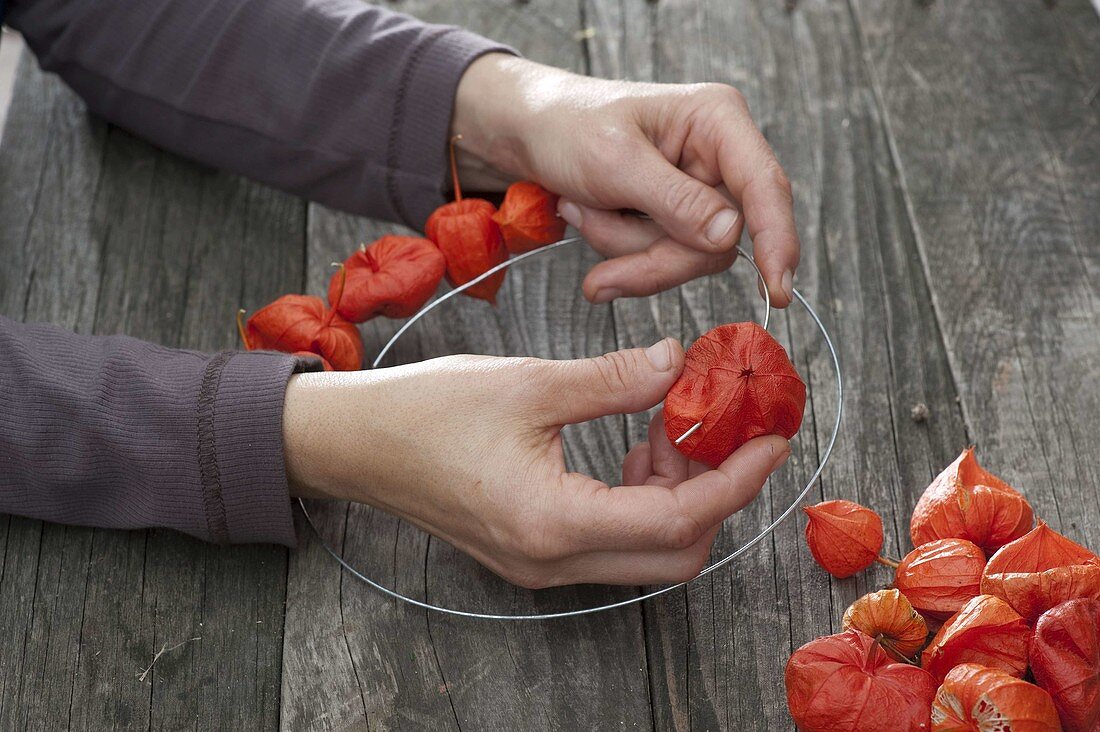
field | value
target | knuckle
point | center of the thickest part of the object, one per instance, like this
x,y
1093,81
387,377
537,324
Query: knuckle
x,y
722,262
611,145
693,565
726,95
780,180
531,379
687,198
730,94
614,370
529,578
682,532
538,548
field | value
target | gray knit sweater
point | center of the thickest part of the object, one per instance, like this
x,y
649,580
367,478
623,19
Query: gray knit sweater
x,y
342,102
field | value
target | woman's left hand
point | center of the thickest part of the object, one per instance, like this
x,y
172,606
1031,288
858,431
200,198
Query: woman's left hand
x,y
687,155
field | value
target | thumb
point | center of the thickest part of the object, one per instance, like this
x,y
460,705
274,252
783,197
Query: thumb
x,y
690,211
620,382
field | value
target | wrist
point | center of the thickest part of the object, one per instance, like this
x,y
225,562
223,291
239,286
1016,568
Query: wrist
x,y
316,450
493,106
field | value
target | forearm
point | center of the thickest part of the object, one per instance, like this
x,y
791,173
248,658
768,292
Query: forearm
x,y
342,102
119,433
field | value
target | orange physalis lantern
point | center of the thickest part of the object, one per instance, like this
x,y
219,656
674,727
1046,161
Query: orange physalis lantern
x,y
1065,660
528,217
739,382
393,276
302,323
844,537
1040,570
325,365
986,631
888,617
941,576
974,698
847,683
967,502
470,240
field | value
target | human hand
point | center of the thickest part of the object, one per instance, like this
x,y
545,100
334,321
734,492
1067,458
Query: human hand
x,y
469,449
687,155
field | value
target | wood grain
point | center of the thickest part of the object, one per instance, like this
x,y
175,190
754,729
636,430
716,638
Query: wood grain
x,y
716,651
1000,168
946,167
353,656
122,238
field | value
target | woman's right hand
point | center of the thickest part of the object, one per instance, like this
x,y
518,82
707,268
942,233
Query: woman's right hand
x,y
469,449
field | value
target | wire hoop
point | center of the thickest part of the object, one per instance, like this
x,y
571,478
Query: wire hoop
x,y
767,531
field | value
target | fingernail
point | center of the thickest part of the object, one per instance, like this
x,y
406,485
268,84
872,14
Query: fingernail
x,y
720,226
607,294
571,213
660,354
783,457
787,284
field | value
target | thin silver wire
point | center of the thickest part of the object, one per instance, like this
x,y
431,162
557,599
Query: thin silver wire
x,y
767,319
515,260
767,531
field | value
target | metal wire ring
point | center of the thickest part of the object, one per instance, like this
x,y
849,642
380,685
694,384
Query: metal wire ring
x,y
640,598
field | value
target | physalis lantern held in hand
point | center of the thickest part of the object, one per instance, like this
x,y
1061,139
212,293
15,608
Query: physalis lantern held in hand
x,y
739,382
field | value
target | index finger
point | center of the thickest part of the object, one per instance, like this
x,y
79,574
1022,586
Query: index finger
x,y
755,178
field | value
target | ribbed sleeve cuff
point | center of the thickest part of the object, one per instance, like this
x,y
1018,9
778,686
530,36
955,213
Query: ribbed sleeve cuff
x,y
417,169
244,486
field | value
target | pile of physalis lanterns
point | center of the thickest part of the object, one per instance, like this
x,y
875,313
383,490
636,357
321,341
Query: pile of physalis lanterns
x,y
992,623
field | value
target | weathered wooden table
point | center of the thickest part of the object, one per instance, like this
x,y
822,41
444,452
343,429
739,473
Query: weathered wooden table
x,y
946,167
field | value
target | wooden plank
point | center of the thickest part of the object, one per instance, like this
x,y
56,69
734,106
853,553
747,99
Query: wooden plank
x,y
50,161
994,127
716,651
351,654
124,238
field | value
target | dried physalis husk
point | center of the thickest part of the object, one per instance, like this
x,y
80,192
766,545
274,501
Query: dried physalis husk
x,y
740,384
1065,660
844,537
941,576
1040,570
393,277
986,631
890,619
296,323
975,698
847,683
968,502
528,217
470,240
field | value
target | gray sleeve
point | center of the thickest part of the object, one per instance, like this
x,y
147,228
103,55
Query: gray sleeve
x,y
115,432
342,102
